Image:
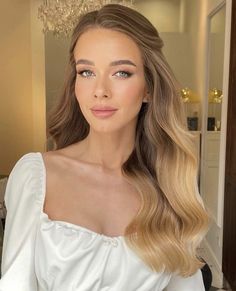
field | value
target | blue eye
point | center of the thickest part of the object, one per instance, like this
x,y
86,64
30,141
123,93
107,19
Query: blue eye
x,y
125,74
81,73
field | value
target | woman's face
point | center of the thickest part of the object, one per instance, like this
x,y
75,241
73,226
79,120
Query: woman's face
x,y
109,73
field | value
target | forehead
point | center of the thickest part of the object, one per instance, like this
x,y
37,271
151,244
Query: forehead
x,y
106,43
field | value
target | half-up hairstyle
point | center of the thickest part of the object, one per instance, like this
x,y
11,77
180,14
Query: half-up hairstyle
x,y
163,166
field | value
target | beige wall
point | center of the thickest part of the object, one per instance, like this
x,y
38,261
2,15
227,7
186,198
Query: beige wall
x,y
169,17
165,15
180,58
177,23
38,79
55,66
18,88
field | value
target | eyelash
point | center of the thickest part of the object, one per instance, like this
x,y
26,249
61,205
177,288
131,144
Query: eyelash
x,y
128,74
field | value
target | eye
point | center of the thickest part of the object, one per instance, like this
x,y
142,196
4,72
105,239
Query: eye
x,y
81,73
125,74
88,73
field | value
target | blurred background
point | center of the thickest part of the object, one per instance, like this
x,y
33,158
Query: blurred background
x,y
196,35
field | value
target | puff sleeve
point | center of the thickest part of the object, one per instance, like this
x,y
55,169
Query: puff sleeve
x,y
23,205
193,283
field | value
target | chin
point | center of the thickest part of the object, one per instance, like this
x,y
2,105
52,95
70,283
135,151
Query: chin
x,y
106,128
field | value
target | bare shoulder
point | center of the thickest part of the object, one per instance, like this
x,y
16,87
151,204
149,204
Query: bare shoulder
x,y
52,158
58,159
62,175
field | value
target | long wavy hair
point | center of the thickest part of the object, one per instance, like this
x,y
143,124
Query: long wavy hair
x,y
163,166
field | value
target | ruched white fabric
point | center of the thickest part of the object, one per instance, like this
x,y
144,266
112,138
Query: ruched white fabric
x,y
40,254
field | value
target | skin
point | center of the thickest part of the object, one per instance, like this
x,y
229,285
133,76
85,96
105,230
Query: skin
x,y
91,168
108,85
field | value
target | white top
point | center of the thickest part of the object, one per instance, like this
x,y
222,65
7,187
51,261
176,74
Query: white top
x,y
40,254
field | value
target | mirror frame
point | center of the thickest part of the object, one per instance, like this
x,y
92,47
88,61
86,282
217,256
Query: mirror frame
x,y
222,151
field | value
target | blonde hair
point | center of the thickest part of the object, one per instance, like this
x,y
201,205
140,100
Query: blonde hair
x,y
163,166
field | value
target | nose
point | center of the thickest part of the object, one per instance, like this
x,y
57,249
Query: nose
x,y
101,88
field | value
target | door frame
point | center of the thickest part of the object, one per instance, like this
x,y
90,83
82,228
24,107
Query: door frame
x,y
228,266
216,232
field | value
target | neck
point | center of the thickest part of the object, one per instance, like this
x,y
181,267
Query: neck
x,y
109,150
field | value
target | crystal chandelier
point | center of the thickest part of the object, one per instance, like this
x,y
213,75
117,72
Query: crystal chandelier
x,y
61,16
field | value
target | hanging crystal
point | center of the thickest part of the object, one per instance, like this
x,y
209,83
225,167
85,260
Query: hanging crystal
x,y
61,16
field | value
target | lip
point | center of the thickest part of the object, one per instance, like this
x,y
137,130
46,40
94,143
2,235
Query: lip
x,y
103,113
103,108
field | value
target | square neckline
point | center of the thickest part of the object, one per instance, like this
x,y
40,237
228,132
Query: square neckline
x,y
66,223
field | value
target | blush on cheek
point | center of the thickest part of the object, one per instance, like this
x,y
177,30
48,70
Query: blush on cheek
x,y
83,91
78,93
133,97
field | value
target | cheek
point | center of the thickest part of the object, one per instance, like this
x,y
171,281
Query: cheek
x,y
130,95
81,92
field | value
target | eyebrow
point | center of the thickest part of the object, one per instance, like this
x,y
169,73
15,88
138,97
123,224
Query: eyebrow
x,y
114,63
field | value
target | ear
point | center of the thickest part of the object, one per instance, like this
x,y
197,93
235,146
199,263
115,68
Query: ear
x,y
146,97
145,100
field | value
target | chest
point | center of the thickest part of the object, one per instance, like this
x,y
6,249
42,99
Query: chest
x,y
96,201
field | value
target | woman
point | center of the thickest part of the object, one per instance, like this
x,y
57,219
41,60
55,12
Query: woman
x,y
115,206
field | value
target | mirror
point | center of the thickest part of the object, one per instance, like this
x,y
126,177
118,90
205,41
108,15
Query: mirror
x,y
216,41
216,59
